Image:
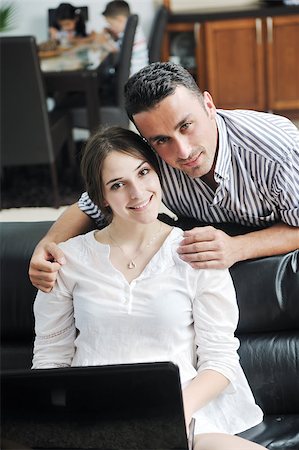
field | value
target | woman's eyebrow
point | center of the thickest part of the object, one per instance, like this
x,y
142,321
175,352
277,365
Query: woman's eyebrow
x,y
141,164
120,178
114,180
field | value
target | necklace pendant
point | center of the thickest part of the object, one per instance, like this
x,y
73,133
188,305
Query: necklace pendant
x,y
131,265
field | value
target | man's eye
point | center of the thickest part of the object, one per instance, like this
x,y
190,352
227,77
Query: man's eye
x,y
186,125
161,140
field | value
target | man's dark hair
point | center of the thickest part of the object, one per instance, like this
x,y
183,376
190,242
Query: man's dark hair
x,y
152,84
117,8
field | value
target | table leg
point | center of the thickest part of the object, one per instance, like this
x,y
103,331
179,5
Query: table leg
x,y
92,100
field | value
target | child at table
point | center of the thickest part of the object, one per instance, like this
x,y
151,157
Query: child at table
x,y
116,14
69,26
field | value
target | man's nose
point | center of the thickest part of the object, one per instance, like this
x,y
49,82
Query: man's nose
x,y
182,148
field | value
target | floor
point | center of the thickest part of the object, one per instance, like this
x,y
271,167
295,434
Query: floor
x,y
30,214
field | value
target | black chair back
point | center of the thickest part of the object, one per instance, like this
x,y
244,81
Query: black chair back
x,y
26,136
29,134
124,61
156,34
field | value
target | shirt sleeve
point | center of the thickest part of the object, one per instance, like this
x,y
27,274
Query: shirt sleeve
x,y
286,188
216,315
88,207
54,328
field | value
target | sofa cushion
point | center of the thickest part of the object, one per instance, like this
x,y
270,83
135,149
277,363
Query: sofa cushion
x,y
18,240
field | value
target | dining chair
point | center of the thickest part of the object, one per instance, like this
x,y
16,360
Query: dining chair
x,y
156,34
30,135
113,113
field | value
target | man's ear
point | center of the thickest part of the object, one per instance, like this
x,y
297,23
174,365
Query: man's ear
x,y
209,104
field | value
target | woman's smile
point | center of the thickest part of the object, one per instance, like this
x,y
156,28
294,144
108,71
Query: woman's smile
x,y
141,206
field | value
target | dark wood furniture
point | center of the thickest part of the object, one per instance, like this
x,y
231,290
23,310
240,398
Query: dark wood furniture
x,y
246,57
84,78
85,81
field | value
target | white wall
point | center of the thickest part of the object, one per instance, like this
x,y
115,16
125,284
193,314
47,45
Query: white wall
x,y
31,15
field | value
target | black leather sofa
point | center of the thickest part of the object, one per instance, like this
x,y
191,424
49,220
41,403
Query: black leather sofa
x,y
268,297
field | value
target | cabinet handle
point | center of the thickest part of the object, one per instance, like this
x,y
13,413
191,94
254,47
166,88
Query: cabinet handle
x,y
269,22
258,29
196,32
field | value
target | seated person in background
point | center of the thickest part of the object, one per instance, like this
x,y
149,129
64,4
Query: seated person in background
x,y
69,26
116,14
125,296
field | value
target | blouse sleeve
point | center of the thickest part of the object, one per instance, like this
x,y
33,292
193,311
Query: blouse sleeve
x,y
215,313
54,328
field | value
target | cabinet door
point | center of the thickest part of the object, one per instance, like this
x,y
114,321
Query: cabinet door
x,y
235,63
183,44
283,62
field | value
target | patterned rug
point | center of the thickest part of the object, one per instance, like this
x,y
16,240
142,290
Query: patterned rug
x,y
32,186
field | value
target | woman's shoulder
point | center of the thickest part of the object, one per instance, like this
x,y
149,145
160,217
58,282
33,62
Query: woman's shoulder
x,y
176,233
78,245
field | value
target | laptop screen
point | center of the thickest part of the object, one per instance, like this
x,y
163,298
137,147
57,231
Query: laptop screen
x,y
127,406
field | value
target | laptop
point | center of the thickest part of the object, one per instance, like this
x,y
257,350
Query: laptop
x,y
114,407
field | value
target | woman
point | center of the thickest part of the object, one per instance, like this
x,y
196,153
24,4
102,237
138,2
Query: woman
x,y
124,296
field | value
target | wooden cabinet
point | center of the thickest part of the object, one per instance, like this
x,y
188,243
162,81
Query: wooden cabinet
x,y
250,63
183,44
282,42
235,63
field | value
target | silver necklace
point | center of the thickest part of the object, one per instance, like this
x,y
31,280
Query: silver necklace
x,y
132,264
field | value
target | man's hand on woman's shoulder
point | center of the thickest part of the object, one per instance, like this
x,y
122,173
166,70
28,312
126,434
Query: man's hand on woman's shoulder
x,y
45,263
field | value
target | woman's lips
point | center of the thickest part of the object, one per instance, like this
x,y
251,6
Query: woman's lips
x,y
141,206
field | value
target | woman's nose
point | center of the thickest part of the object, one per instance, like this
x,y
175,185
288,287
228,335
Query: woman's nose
x,y
135,190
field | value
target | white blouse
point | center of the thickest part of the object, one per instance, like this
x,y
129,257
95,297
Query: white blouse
x,y
170,312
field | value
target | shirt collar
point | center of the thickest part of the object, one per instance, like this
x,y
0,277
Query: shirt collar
x,y
224,151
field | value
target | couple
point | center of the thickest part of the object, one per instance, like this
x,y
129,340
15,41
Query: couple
x,y
125,296
233,167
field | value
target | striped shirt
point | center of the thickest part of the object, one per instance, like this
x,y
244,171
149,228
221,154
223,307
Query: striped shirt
x,y
257,171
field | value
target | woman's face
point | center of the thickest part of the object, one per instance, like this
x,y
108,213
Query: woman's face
x,y
131,188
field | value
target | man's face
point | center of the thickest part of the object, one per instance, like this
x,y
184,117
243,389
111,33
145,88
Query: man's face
x,y
183,131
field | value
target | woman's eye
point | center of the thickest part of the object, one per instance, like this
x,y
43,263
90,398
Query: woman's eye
x,y
116,186
144,171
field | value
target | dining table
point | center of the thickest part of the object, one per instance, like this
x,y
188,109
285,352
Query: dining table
x,y
76,69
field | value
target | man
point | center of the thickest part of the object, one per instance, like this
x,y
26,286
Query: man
x,y
217,166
